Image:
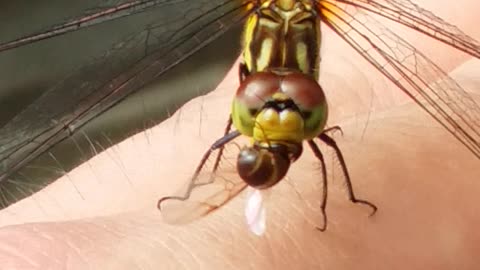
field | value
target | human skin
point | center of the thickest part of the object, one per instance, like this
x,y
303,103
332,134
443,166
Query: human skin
x,y
103,215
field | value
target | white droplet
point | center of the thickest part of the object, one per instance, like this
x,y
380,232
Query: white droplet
x,y
255,212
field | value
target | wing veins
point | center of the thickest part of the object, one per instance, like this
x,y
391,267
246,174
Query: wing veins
x,y
439,29
186,208
447,121
89,20
144,68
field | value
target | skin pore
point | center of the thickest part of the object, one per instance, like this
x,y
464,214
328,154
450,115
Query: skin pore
x,y
103,215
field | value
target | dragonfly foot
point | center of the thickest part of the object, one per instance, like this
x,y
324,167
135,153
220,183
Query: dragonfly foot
x,y
333,130
369,204
159,203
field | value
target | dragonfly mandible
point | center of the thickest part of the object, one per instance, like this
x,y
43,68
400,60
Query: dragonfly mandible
x,y
163,35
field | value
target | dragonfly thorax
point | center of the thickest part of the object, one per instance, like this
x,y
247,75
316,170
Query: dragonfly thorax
x,y
282,33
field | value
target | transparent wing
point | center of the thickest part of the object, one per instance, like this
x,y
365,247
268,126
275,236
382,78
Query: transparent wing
x,y
92,13
150,37
410,70
255,212
408,13
212,185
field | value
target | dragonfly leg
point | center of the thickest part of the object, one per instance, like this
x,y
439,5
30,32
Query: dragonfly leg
x,y
219,144
351,195
220,152
333,130
323,204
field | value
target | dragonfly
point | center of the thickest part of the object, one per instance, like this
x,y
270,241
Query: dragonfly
x,y
166,32
279,105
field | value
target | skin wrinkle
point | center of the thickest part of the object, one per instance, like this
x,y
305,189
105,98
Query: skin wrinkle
x,y
177,252
303,205
12,253
295,244
134,236
41,242
197,242
197,263
272,255
102,248
89,229
377,244
28,237
77,252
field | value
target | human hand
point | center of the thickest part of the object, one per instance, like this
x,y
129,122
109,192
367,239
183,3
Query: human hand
x,y
419,176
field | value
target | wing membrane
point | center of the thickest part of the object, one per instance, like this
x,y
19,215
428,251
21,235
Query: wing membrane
x,y
410,70
167,34
107,12
407,13
211,187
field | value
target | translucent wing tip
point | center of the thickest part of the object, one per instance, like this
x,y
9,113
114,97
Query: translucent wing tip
x,y
178,212
255,212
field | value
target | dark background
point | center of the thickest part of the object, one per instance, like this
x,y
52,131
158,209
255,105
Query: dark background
x,y
29,73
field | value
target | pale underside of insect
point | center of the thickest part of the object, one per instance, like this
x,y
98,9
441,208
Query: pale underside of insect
x,y
161,45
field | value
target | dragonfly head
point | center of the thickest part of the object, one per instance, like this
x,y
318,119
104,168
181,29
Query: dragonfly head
x,y
278,110
262,166
279,107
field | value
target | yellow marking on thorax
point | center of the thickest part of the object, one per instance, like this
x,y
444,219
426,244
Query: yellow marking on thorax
x,y
249,30
302,54
265,54
275,41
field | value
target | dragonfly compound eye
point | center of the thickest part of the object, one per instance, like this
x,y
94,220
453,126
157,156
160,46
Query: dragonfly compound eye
x,y
261,168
